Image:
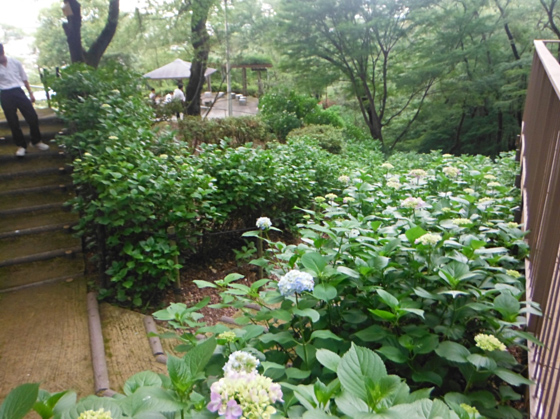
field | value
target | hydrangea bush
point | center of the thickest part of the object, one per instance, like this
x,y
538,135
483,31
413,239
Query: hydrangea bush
x,y
429,276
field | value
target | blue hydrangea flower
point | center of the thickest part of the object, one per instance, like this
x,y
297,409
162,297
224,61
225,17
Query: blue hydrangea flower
x,y
295,282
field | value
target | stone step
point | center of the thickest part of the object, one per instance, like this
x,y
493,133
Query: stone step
x,y
35,219
68,228
33,197
23,182
14,190
24,169
41,246
32,164
8,152
19,284
46,134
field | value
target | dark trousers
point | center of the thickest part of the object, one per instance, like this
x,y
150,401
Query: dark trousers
x,y
12,100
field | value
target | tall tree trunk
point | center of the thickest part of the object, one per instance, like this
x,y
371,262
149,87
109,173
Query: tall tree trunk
x,y
98,48
201,45
73,31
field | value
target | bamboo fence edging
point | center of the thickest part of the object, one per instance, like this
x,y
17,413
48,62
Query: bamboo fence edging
x,y
99,362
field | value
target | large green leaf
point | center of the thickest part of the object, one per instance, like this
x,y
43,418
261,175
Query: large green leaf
x,y
482,362
373,333
511,377
388,299
197,358
350,404
19,401
325,292
507,306
142,379
357,367
393,354
413,233
151,399
453,351
315,262
317,414
324,334
308,312
328,359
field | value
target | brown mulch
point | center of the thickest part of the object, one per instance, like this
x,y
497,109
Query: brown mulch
x,y
210,271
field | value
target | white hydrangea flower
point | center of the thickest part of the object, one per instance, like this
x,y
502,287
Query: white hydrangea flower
x,y
489,343
412,202
348,199
490,177
331,196
461,221
344,179
353,233
228,336
493,184
241,361
418,173
387,166
394,184
452,172
428,239
469,191
295,282
246,395
513,273
98,414
264,223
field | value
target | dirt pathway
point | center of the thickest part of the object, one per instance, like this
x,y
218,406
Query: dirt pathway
x,y
51,317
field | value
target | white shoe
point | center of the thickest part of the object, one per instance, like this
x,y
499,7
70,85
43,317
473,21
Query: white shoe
x,y
20,152
41,146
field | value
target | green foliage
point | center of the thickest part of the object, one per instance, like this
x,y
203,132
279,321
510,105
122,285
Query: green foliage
x,y
129,191
284,111
379,283
325,136
253,60
237,131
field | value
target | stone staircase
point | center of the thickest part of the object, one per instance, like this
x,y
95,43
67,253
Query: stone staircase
x,y
36,244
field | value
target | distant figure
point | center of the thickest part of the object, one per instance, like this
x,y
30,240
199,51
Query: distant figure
x,y
12,76
168,98
152,95
178,93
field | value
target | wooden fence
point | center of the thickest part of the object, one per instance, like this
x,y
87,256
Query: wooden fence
x,y
540,183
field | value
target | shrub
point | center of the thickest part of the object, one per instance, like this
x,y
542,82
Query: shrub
x,y
238,131
427,272
325,136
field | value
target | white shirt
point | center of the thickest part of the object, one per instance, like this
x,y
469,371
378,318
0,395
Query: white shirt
x,y
179,95
12,75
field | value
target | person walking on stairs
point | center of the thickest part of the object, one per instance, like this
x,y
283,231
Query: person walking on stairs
x,y
12,98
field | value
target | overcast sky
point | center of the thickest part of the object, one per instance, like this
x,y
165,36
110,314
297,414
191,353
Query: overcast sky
x,y
24,13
